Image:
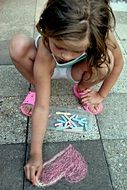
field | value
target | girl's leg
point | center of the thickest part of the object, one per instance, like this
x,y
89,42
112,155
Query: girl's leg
x,y
81,73
23,52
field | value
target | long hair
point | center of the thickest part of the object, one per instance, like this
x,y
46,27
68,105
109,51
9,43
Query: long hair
x,y
79,19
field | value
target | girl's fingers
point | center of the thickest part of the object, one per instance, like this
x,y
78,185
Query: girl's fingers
x,y
27,172
32,174
86,100
86,92
38,174
85,95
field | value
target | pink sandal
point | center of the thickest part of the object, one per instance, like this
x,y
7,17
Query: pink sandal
x,y
87,107
29,100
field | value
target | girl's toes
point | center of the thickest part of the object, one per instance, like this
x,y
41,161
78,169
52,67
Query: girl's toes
x,y
28,108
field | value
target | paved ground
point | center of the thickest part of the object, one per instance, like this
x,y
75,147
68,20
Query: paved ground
x,y
104,146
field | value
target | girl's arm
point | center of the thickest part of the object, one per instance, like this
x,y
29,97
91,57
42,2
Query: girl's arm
x,y
95,97
42,77
117,68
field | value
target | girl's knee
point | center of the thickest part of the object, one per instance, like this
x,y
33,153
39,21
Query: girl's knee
x,y
19,46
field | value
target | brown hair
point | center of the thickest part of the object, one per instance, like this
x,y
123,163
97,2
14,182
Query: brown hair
x,y
77,19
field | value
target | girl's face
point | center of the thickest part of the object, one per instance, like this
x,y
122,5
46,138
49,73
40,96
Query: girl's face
x,y
65,51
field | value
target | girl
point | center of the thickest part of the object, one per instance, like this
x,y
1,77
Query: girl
x,y
75,42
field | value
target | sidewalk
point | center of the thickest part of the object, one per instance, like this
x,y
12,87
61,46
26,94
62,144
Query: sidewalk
x,y
104,146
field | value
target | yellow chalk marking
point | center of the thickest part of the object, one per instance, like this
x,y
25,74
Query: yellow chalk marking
x,y
63,113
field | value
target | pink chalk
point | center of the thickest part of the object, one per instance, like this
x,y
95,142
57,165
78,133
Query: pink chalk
x,y
69,164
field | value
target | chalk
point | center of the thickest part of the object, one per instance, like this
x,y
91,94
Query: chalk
x,y
60,120
77,130
68,124
63,113
58,124
83,119
80,123
64,118
74,124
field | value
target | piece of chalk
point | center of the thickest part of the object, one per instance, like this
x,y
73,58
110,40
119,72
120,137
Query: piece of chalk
x,y
83,119
58,124
63,113
73,123
82,124
64,118
60,120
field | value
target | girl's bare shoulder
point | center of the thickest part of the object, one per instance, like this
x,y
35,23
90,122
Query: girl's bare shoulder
x,y
43,49
44,60
111,41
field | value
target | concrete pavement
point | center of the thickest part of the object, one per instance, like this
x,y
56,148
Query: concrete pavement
x,y
104,146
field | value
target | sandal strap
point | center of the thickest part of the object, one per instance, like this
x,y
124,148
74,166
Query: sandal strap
x,y
29,100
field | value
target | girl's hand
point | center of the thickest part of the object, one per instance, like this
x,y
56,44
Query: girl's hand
x,y
33,168
91,97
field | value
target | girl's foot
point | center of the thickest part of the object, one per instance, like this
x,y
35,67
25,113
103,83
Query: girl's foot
x,y
93,109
